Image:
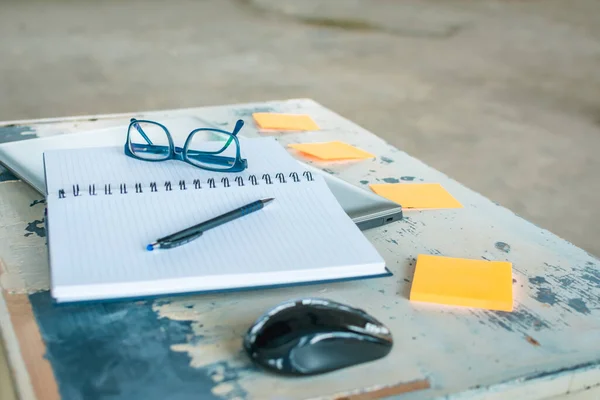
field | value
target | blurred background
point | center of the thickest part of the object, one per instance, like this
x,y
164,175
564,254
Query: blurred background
x,y
503,96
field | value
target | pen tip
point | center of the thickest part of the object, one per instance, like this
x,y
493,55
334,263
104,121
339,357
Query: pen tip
x,y
267,201
150,247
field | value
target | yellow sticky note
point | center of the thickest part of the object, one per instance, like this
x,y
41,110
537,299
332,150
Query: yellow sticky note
x,y
417,195
332,151
285,122
463,282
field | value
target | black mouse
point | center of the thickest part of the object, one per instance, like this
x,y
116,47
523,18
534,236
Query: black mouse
x,y
311,336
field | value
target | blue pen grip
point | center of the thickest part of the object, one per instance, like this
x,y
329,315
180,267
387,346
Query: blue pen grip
x,y
179,242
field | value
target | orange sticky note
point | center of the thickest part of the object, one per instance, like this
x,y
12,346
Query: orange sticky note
x,y
285,122
462,282
417,195
332,150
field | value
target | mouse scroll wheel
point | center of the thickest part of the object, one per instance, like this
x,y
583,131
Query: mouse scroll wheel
x,y
370,328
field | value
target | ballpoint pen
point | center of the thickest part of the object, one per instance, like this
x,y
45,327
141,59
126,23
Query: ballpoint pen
x,y
187,235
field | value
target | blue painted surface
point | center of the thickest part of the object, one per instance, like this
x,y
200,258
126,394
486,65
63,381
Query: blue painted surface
x,y
6,175
37,227
519,320
248,111
591,274
536,280
117,350
35,202
546,296
579,306
505,247
391,180
13,133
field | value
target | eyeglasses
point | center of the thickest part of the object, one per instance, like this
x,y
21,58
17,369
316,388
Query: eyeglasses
x,y
206,148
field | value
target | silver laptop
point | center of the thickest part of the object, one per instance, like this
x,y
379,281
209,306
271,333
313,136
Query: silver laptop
x,y
25,160
366,209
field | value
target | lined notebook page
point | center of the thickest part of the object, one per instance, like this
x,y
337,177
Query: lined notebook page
x,y
98,243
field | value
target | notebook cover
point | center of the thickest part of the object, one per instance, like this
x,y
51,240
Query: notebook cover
x,y
388,273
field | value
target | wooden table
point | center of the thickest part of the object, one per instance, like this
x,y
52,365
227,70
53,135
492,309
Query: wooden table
x,y
189,347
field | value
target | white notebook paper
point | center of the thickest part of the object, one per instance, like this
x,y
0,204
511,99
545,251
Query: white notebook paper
x,y
105,207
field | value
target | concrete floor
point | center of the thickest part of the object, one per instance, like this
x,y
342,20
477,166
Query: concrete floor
x,y
500,95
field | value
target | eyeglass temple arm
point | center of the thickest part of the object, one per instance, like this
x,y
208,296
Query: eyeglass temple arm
x,y
140,130
238,126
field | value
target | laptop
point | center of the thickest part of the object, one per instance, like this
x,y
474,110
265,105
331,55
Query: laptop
x,y
25,159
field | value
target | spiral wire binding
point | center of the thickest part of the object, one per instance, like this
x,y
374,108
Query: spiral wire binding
x,y
197,184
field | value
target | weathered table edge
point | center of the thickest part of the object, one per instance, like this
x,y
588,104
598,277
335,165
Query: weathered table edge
x,y
24,387
19,373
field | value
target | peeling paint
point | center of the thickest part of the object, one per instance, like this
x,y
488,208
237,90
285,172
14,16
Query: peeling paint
x,y
106,350
42,201
14,133
364,182
247,112
409,226
219,348
565,281
520,319
579,306
591,274
537,280
560,371
546,296
391,180
6,175
505,247
408,178
386,160
36,227
591,279
554,267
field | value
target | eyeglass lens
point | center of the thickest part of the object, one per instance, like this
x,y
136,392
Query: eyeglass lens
x,y
212,149
148,140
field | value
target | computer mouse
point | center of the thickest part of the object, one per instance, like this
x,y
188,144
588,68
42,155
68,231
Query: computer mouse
x,y
312,336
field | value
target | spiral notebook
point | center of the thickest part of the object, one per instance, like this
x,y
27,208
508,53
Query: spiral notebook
x,y
103,208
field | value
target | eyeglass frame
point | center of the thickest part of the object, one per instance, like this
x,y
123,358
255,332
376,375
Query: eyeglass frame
x,y
181,153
